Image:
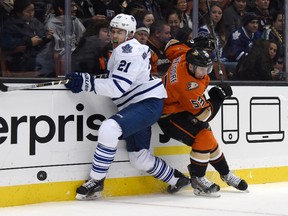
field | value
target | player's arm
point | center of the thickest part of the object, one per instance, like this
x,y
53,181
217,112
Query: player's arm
x,y
197,105
123,74
217,95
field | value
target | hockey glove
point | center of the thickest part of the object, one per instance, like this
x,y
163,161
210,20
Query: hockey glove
x,y
206,43
80,82
221,91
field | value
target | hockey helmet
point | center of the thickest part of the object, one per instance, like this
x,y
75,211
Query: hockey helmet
x,y
198,57
200,60
125,22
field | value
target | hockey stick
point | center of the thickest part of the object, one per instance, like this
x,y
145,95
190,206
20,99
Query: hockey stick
x,y
216,41
5,88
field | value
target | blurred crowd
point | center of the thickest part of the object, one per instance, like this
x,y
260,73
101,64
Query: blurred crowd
x,y
248,35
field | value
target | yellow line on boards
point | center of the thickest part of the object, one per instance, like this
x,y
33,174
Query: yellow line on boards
x,y
129,186
171,150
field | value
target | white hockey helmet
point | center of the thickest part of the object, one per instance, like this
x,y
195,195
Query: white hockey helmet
x,y
125,22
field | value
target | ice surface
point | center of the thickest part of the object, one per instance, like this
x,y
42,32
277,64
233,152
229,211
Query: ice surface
x,y
263,199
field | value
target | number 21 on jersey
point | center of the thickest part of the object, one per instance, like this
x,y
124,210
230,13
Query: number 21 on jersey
x,y
124,66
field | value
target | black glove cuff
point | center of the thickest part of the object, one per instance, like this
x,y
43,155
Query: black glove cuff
x,y
217,94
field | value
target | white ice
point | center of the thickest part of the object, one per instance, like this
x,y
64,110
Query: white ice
x,y
261,200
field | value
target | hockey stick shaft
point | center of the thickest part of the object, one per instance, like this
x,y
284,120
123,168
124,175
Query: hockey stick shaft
x,y
5,88
216,41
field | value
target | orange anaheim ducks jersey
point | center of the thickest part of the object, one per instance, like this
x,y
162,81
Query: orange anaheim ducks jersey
x,y
185,92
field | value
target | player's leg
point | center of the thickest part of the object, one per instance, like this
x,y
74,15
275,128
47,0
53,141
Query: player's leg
x,y
218,161
141,158
183,129
108,137
136,124
199,160
124,123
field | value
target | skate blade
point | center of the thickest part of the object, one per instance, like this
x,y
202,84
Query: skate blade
x,y
203,194
92,196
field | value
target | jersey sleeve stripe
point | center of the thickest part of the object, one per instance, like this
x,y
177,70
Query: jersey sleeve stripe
x,y
118,86
122,78
137,94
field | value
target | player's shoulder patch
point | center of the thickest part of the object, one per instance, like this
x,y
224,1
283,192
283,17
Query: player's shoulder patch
x,y
127,48
191,86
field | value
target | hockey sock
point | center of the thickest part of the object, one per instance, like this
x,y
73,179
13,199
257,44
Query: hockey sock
x,y
103,157
163,172
195,169
220,165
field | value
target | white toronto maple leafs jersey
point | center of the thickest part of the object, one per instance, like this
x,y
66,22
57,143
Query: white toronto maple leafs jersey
x,y
129,79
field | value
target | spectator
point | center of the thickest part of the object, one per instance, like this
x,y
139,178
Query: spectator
x,y
250,5
258,64
220,36
232,16
150,5
217,24
143,15
109,8
223,3
173,19
240,41
276,5
148,19
184,34
42,9
86,12
203,15
160,34
278,72
261,9
56,23
275,33
87,57
142,33
6,7
188,13
181,6
22,29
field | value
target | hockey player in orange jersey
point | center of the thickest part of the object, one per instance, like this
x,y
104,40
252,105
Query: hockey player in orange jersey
x,y
187,113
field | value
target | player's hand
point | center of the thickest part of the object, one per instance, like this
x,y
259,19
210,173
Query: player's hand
x,y
221,91
79,82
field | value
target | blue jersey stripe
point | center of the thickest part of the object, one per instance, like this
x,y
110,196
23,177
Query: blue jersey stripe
x,y
139,93
118,86
122,78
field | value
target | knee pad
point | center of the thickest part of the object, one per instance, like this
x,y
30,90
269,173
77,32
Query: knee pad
x,y
142,160
109,133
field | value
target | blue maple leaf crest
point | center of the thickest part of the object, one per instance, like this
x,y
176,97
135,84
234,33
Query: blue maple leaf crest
x,y
127,48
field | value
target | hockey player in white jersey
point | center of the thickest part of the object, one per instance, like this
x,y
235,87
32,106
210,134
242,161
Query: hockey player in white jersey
x,y
139,99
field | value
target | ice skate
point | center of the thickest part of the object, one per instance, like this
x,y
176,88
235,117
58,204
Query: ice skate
x,y
204,187
235,181
91,189
182,182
